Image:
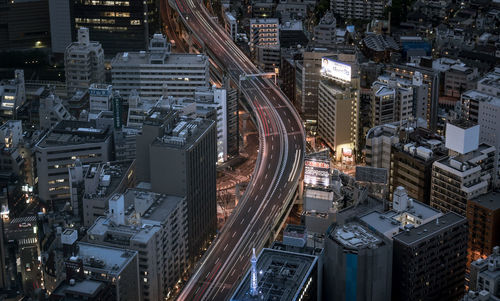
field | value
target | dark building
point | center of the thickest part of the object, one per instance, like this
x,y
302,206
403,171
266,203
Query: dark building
x,y
118,25
429,261
412,160
483,214
287,72
178,156
24,24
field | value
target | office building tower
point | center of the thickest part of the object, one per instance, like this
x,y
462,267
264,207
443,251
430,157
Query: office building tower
x,y
51,110
338,100
12,95
485,276
153,224
118,267
365,10
61,25
299,274
264,33
465,175
158,72
91,186
483,214
178,156
60,147
118,25
24,24
411,162
425,107
429,260
83,63
484,109
358,263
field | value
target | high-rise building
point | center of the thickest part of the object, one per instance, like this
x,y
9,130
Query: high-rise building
x,y
178,156
390,102
153,224
60,147
12,95
483,214
158,72
411,162
426,107
338,100
263,33
465,175
83,63
24,24
358,263
118,25
358,9
61,29
429,260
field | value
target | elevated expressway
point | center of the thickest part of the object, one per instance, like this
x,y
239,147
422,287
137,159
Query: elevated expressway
x,y
268,197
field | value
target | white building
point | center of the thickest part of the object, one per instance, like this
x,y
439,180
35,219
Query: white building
x,y
83,63
100,97
153,224
390,102
325,31
490,83
51,110
12,95
158,72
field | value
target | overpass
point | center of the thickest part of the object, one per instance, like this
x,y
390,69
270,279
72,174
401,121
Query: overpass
x,y
269,195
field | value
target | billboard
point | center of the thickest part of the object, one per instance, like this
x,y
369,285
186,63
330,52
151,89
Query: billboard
x,y
317,172
335,70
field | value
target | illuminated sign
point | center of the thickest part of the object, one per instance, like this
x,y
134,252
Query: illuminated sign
x,y
335,70
317,172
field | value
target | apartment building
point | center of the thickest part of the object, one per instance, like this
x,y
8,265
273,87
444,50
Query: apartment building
x,y
365,10
83,63
263,33
12,95
154,225
158,72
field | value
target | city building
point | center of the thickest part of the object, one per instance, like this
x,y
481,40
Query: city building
x,y
406,213
118,25
484,109
485,277
358,263
365,10
338,100
100,98
427,107
458,77
60,147
154,225
231,25
92,185
61,30
11,133
483,214
24,24
379,47
292,34
390,102
411,162
115,266
83,63
263,33
490,83
325,31
158,72
282,275
465,175
51,110
12,95
177,155
429,260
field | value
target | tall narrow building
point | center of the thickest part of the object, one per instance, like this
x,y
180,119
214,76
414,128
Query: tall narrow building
x,y
178,156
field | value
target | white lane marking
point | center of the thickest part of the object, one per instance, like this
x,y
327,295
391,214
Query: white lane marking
x,y
232,273
225,247
234,233
242,220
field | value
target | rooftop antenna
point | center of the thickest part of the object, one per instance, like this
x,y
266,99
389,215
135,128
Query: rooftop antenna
x,y
253,280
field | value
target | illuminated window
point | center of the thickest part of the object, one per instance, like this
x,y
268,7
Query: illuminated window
x,y
135,22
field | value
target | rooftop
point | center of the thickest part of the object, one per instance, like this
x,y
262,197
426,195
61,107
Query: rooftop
x,y
415,235
86,287
184,132
355,236
380,42
145,58
71,132
109,175
283,276
480,96
107,259
490,200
